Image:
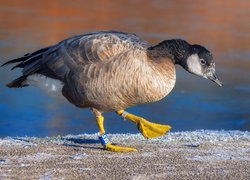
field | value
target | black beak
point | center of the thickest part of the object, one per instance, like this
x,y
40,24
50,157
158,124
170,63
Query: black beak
x,y
213,77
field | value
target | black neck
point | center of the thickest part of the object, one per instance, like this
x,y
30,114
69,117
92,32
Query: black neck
x,y
176,49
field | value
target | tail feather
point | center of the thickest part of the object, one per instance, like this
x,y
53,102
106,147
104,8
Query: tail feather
x,y
26,58
21,59
29,62
17,83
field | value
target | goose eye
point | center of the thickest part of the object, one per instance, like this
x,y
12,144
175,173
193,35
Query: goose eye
x,y
203,62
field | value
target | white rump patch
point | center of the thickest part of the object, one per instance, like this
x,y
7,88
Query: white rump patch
x,y
49,85
194,66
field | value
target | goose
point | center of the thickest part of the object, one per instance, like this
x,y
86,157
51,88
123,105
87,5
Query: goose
x,y
109,71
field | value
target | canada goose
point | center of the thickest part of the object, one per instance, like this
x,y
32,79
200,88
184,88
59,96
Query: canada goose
x,y
111,71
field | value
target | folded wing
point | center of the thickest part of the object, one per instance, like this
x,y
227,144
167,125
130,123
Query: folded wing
x,y
75,53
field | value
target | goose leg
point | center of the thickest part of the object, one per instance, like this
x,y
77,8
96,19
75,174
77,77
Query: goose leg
x,y
147,129
103,138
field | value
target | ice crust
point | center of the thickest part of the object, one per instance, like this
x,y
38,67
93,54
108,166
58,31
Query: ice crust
x,y
191,137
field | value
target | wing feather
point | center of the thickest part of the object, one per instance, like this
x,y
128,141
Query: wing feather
x,y
76,52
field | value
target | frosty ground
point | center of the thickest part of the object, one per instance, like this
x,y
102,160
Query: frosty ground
x,y
180,155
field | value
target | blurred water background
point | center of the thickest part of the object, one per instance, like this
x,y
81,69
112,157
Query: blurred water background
x,y
223,26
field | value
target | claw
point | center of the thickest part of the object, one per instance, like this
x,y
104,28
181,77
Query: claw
x,y
115,148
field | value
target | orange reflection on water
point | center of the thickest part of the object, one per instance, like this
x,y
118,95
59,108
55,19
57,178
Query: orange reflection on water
x,y
223,24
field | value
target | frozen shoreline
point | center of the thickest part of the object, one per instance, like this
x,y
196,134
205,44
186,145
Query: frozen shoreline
x,y
194,154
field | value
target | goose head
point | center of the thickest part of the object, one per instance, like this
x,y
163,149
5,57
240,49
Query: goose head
x,y
200,62
196,59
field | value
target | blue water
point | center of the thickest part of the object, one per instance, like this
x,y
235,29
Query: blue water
x,y
194,103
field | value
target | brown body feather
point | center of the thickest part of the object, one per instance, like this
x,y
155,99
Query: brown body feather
x,y
119,83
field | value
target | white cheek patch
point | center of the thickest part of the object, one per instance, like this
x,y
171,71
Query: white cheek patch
x,y
194,66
